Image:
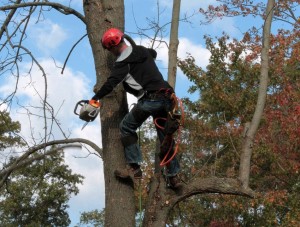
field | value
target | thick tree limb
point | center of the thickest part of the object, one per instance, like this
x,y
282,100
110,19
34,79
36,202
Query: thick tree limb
x,y
214,185
25,160
163,199
59,7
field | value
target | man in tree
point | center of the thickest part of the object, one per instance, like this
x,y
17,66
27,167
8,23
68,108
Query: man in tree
x,y
136,69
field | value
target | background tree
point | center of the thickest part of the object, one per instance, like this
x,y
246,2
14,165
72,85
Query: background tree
x,y
228,87
95,218
38,194
8,131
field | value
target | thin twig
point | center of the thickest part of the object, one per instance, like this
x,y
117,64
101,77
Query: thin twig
x,y
59,7
63,68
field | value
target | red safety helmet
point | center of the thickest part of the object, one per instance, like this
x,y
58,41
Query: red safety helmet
x,y
112,37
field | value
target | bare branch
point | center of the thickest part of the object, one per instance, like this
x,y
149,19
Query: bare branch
x,y
8,19
159,30
27,19
46,86
62,71
292,14
59,7
25,160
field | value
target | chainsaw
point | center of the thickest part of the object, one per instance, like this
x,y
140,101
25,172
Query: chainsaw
x,y
89,110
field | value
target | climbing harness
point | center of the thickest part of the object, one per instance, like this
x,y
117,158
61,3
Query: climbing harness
x,y
173,123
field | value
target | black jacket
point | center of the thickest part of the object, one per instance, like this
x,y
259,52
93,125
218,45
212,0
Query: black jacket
x,y
136,69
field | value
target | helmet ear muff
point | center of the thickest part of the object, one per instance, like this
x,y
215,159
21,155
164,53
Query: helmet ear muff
x,y
104,47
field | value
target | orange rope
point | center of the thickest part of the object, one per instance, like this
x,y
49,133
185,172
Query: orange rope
x,y
164,161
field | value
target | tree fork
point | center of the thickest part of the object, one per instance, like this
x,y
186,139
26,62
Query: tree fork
x,y
162,200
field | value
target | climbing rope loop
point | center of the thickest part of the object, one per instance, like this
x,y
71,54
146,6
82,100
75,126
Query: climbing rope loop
x,y
176,114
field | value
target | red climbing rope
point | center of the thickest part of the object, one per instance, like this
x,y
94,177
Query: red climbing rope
x,y
165,160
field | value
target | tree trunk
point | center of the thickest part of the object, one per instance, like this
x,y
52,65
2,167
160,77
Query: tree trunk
x,y
244,171
119,197
156,213
172,67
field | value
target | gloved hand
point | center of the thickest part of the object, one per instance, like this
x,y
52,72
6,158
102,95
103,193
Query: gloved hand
x,y
95,103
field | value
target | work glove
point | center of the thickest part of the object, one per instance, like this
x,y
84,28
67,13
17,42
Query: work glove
x,y
94,103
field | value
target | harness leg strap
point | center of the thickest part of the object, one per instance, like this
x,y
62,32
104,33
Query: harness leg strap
x,y
172,124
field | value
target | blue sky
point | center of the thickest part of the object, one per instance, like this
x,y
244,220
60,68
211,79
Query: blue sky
x,y
54,37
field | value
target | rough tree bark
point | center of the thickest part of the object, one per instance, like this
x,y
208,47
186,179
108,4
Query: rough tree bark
x,y
244,171
119,197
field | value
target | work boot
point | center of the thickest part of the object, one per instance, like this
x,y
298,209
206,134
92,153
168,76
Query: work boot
x,y
129,173
174,182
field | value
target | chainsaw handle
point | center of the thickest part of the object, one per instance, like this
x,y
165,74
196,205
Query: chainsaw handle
x,y
80,103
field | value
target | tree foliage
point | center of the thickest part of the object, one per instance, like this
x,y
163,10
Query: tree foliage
x,y
228,89
37,195
8,131
94,218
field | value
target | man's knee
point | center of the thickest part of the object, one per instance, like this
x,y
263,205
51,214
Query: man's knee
x,y
129,140
139,114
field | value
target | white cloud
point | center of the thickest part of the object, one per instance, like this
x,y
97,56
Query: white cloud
x,y
220,25
64,92
190,5
199,52
48,36
3,106
92,192
185,47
